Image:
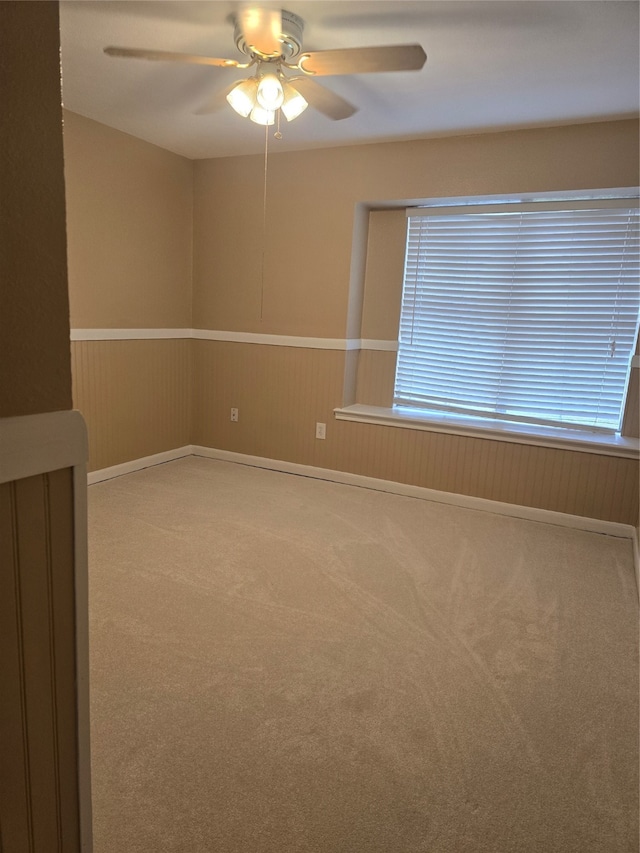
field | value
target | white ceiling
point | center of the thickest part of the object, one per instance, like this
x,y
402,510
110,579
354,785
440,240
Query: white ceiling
x,y
492,64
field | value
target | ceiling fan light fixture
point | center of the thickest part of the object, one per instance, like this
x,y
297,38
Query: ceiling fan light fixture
x,y
271,38
293,104
262,116
270,94
243,96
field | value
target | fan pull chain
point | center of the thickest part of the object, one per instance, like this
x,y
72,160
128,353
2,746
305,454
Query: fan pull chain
x,y
264,217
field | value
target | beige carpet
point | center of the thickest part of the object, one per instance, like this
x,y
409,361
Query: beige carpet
x,y
283,664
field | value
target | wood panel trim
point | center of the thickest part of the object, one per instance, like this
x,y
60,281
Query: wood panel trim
x,y
276,340
37,444
231,337
130,334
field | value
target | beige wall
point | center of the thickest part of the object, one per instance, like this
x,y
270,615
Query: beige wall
x,y
39,788
383,274
311,205
129,229
315,281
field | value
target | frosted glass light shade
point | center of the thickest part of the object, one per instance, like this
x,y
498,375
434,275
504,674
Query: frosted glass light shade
x,y
260,97
262,116
269,95
243,96
293,103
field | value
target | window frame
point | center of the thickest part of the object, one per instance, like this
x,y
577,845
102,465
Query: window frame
x,y
497,429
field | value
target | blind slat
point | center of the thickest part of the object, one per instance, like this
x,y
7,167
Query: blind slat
x,y
524,314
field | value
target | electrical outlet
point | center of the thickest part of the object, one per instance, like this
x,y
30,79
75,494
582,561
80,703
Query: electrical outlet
x,y
321,430
234,415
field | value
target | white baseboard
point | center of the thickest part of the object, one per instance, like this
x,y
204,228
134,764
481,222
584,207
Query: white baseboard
x,y
138,464
546,516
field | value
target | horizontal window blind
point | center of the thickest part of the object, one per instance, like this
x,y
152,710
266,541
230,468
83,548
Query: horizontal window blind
x,y
522,314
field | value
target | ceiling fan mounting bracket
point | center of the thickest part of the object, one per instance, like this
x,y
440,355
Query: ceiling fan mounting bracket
x,y
290,39
300,66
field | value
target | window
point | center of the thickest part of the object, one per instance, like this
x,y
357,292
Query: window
x,y
525,313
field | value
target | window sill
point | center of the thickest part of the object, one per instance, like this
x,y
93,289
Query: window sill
x,y
562,439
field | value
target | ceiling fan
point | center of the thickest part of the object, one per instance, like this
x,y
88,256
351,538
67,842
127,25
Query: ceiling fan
x,y
284,78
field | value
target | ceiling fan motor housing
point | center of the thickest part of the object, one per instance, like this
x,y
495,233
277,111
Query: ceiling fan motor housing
x,y
291,39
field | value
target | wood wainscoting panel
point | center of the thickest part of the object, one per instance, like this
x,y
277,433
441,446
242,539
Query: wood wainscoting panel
x,y
38,699
572,482
134,395
281,392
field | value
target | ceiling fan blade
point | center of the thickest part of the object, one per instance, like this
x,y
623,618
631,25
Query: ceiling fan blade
x,y
169,56
363,60
215,102
261,29
323,100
